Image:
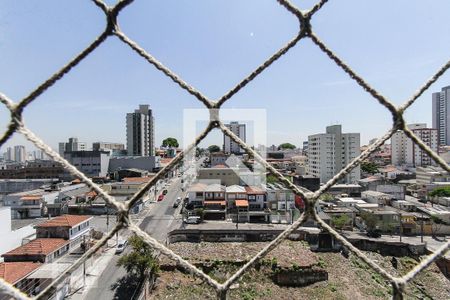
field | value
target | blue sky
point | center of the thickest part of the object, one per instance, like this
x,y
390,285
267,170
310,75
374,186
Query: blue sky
x,y
395,45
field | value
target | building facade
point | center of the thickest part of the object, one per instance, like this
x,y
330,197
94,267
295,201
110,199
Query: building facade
x,y
140,132
91,163
405,152
441,114
330,152
230,146
72,145
20,155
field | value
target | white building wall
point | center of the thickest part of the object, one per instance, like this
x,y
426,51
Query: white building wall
x,y
12,239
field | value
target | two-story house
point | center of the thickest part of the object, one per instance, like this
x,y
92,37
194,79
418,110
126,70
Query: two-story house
x,y
214,203
73,228
237,203
44,250
16,273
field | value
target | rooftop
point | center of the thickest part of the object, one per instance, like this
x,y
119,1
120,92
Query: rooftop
x,y
65,221
43,246
12,272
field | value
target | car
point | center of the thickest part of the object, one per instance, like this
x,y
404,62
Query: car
x,y
192,220
121,245
160,197
164,192
376,233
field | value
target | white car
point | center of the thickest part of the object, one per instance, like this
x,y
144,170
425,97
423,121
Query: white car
x,y
192,220
121,245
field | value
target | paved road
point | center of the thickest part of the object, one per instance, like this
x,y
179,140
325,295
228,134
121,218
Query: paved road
x,y
159,219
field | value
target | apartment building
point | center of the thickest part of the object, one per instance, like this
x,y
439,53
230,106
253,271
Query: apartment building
x,y
140,132
331,151
405,152
230,146
72,145
441,114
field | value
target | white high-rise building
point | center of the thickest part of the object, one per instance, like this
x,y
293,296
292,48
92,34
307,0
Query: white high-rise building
x,y
230,146
9,154
441,114
140,132
20,155
72,145
405,153
330,152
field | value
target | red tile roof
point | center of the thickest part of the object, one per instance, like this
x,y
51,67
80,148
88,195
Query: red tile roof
x,y
42,246
12,272
64,221
241,203
31,198
136,179
254,190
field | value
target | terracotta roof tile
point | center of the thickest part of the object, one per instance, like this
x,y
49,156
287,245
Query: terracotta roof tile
x,y
14,271
43,246
64,221
241,203
136,179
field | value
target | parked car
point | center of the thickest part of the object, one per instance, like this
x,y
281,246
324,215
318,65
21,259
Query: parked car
x,y
177,202
376,233
121,245
192,220
161,197
164,192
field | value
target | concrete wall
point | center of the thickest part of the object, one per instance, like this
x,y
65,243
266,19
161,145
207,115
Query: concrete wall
x,y
12,239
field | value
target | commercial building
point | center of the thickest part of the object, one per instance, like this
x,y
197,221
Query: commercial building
x,y
140,132
148,163
441,114
405,152
330,152
72,145
91,163
230,146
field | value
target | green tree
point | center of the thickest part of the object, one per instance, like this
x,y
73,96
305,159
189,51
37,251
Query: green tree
x,y
440,192
340,221
170,142
369,167
141,260
213,148
327,197
370,220
286,146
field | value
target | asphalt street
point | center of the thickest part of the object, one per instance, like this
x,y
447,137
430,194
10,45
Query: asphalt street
x,y
158,219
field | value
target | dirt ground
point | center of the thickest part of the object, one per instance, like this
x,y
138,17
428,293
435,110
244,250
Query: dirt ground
x,y
348,278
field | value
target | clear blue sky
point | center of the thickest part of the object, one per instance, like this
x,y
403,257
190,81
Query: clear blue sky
x,y
395,45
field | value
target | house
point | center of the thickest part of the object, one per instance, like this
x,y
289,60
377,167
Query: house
x,y
257,209
74,228
218,158
237,203
196,194
396,191
214,203
16,273
43,250
376,197
404,205
348,202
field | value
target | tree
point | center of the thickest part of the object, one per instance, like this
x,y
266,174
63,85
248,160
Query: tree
x,y
170,142
340,221
327,197
286,146
370,220
141,260
369,167
440,192
213,148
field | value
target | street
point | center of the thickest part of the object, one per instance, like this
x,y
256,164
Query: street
x,y
158,219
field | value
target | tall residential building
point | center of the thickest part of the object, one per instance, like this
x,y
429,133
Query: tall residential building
x,y
405,152
330,152
9,154
230,146
441,114
20,155
140,132
72,145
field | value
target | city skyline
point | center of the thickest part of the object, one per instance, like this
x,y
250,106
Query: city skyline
x,y
303,92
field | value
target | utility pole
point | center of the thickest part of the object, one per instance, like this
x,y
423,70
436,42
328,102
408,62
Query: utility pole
x,y
421,229
84,261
